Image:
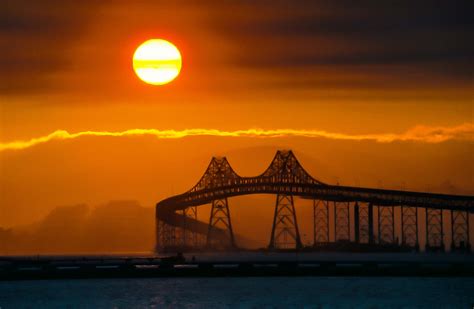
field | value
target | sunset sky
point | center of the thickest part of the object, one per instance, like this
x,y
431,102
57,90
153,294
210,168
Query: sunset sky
x,y
371,93
346,68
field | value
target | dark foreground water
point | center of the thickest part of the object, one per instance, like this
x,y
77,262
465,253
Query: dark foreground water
x,y
282,292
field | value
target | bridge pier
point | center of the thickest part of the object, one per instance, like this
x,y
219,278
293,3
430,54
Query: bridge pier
x,y
460,231
342,222
165,236
190,238
370,211
320,222
409,229
220,233
158,241
386,224
434,230
379,229
285,233
356,222
363,220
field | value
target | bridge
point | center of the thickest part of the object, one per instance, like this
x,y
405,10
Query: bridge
x,y
355,217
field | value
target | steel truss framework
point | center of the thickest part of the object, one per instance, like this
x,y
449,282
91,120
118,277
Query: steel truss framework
x,y
285,233
220,233
286,177
320,222
409,229
386,225
460,231
190,238
342,222
166,234
434,230
364,223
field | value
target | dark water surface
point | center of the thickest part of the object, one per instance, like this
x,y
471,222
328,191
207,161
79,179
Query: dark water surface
x,y
281,292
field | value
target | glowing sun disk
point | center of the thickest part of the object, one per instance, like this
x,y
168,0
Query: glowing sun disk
x,y
157,62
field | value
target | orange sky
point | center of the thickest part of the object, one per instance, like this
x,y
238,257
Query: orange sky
x,y
384,70
320,67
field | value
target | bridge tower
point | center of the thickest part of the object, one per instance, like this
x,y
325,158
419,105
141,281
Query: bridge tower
x,y
285,232
320,222
460,231
220,233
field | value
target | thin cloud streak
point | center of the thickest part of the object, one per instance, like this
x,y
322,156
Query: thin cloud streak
x,y
423,134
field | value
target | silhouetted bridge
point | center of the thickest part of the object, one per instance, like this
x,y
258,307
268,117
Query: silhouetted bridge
x,y
341,215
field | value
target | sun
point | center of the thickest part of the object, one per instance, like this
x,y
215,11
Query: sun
x,y
157,62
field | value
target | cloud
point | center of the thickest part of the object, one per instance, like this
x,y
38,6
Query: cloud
x,y
424,134
432,38
35,39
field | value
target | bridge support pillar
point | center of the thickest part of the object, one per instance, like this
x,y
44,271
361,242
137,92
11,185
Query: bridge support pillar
x,y
460,231
434,229
190,238
165,236
363,220
220,233
158,241
342,222
320,222
386,224
356,222
409,219
285,233
370,215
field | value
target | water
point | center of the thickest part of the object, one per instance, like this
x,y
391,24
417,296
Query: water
x,y
280,292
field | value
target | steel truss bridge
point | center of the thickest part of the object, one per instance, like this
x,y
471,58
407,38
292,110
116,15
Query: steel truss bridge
x,y
341,214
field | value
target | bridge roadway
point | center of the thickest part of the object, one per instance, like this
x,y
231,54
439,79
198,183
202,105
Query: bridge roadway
x,y
285,175
166,209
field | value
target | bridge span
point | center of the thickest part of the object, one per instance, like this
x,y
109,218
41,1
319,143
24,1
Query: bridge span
x,y
362,216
